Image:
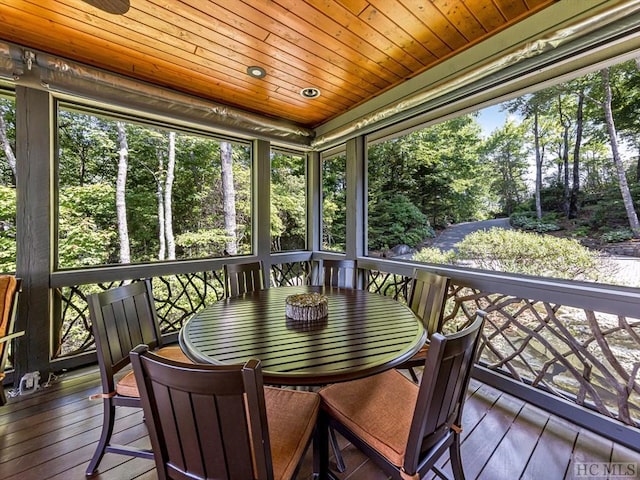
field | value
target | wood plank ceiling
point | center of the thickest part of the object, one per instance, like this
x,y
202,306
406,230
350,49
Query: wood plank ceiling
x,y
350,50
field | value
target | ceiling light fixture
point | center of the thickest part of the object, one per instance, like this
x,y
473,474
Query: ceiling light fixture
x,y
256,72
310,92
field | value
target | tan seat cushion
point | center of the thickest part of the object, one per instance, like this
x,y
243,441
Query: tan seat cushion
x,y
127,386
291,417
379,409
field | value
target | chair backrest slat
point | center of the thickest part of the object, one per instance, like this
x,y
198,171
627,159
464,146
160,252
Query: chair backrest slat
x,y
338,273
201,417
240,278
122,318
427,298
443,388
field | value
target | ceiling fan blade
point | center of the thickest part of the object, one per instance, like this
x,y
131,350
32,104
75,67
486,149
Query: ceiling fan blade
x,y
118,7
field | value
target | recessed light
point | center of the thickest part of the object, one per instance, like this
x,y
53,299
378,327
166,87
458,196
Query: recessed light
x,y
310,92
256,72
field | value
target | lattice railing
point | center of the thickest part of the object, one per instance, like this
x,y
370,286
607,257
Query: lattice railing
x,y
291,274
389,284
590,358
177,297
581,355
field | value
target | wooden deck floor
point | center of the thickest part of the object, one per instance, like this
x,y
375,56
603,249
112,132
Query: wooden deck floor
x,y
52,433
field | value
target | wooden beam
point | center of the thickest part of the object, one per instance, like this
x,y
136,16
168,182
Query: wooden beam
x,y
34,113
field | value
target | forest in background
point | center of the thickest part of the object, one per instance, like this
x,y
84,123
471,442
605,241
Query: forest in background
x,y
133,192
567,158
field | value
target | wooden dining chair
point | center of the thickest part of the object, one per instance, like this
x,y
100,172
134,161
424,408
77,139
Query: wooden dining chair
x,y
10,287
212,421
338,273
122,318
241,278
427,300
404,428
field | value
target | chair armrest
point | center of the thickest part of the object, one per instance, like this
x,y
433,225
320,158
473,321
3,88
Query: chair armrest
x,y
8,338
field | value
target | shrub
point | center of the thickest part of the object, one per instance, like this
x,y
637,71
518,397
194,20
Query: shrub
x,y
551,217
529,221
541,227
517,220
607,208
581,231
530,254
434,255
397,221
619,235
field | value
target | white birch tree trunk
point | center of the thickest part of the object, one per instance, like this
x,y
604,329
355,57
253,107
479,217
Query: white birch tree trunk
x,y
228,198
168,198
622,178
162,249
121,204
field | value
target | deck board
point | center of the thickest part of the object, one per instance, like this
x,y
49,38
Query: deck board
x,y
51,434
552,454
510,458
478,447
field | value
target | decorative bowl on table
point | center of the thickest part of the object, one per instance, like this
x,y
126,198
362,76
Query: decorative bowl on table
x,y
307,326
306,307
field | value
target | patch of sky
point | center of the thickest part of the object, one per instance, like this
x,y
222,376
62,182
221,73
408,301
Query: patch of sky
x,y
491,119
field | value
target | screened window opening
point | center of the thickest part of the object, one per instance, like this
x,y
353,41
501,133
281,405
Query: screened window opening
x,y
334,202
132,193
546,184
288,201
7,183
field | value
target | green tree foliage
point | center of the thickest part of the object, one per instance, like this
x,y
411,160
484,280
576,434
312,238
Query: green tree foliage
x,y
532,108
288,202
445,173
436,168
626,109
505,155
85,214
86,149
198,207
7,189
334,203
203,242
8,122
7,229
394,221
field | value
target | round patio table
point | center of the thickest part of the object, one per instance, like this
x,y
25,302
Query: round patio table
x,y
364,333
